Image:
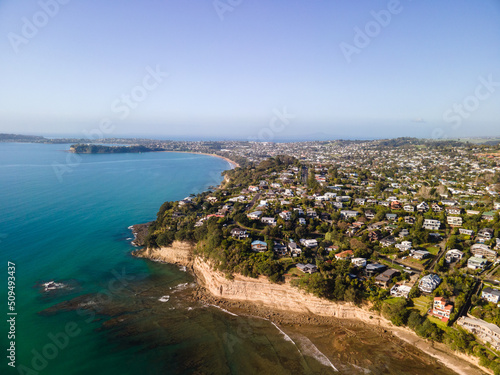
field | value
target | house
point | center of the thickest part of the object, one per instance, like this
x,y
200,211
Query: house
x,y
387,241
239,233
454,221
410,220
332,248
344,198
404,246
485,234
485,331
489,216
491,295
309,243
396,205
279,248
344,254
449,202
253,188
254,215
302,221
294,249
384,279
347,214
428,283
453,255
370,215
307,268
466,232
409,208
482,250
496,206
311,213
476,263
299,211
432,224
372,269
360,201
400,290
420,254
423,207
436,207
453,210
441,309
391,217
259,246
404,233
359,262
286,215
268,220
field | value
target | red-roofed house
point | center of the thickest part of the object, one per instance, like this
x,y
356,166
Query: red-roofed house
x,y
441,309
344,255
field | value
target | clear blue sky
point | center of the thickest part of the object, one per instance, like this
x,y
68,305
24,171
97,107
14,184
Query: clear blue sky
x,y
230,70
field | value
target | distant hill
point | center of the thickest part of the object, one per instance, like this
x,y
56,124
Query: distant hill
x,y
21,138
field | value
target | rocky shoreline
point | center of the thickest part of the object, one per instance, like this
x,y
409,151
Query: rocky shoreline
x,y
284,305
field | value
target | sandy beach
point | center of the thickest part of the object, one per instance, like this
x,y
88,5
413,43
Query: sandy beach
x,y
231,162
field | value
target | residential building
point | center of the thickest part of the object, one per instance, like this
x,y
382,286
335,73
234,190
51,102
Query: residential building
x,y
428,283
387,241
259,246
254,215
372,269
476,263
404,246
359,262
485,234
307,268
482,250
239,233
410,220
309,243
400,290
420,254
347,254
286,215
423,207
268,220
453,255
431,224
384,279
466,232
347,214
391,217
441,309
485,331
453,210
454,221
491,295
409,208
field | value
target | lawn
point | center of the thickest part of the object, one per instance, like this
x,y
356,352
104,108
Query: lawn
x,y
433,250
437,322
422,304
389,264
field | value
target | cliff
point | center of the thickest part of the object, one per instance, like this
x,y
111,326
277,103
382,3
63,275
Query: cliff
x,y
289,299
178,253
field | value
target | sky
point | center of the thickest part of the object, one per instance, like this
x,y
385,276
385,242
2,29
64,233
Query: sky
x,y
251,70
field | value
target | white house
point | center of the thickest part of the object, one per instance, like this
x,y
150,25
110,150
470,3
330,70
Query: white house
x,y
431,224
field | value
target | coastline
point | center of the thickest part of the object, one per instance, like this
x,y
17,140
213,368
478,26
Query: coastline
x,y
232,163
284,305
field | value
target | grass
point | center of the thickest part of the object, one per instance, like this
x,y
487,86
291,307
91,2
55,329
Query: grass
x,y
392,300
422,304
389,264
437,322
433,250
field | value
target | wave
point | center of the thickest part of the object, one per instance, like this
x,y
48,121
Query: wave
x,y
220,308
309,349
164,299
287,338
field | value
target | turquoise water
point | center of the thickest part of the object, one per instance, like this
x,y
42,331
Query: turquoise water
x,y
65,218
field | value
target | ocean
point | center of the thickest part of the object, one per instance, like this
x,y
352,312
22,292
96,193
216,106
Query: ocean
x,y
84,305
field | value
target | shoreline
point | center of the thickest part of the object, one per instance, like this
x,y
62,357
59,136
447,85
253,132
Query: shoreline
x,y
283,304
232,163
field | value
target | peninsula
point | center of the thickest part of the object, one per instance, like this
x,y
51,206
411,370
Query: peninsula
x,y
397,233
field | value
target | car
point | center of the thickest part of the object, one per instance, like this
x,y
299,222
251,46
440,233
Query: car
x,y
408,268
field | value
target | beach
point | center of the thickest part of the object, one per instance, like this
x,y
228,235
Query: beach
x,y
231,162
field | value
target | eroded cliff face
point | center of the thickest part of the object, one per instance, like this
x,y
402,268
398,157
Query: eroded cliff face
x,y
178,253
275,296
